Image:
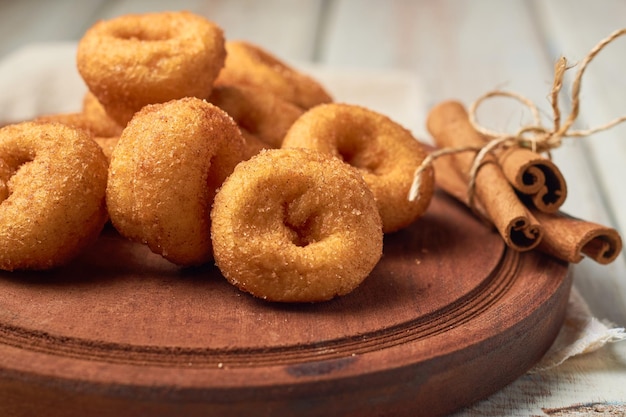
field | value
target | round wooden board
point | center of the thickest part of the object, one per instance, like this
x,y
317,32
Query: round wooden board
x,y
448,317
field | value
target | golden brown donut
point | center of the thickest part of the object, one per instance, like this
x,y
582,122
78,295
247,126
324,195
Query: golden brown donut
x,y
257,111
52,194
138,59
384,152
163,174
249,64
294,225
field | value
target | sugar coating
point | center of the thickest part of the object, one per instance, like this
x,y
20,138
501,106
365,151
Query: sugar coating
x,y
385,153
163,174
249,64
257,111
134,60
295,226
52,194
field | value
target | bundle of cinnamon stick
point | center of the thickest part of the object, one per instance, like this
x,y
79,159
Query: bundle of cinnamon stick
x,y
517,190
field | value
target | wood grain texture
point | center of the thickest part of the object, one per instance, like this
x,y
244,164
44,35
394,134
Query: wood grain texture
x,y
122,329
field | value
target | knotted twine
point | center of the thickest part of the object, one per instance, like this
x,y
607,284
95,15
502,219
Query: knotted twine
x,y
535,136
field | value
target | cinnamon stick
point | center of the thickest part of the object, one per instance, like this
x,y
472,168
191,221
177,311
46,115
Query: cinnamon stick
x,y
534,176
449,125
564,237
570,239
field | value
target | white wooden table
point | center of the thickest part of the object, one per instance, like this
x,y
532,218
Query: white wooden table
x,y
454,49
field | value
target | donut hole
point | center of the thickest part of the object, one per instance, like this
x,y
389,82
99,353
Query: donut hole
x,y
12,174
5,176
4,190
360,151
142,33
301,235
301,222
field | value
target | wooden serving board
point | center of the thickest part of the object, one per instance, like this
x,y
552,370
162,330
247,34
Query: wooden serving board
x,y
448,317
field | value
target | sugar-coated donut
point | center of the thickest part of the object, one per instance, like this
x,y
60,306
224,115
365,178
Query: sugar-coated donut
x,y
52,194
163,174
294,225
257,111
386,154
138,59
249,64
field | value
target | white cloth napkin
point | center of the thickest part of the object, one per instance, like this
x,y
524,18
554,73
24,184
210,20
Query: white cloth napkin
x,y
42,79
581,333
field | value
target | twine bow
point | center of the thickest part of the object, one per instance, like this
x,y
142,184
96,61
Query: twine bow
x,y
535,136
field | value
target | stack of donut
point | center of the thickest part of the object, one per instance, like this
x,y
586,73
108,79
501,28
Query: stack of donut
x,y
208,150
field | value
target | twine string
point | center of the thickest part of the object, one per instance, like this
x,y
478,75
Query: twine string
x,y
535,136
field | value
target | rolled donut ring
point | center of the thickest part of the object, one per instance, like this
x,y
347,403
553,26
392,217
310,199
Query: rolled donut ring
x,y
163,174
249,64
134,60
384,152
293,225
52,194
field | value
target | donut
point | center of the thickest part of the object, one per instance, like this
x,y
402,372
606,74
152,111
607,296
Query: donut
x,y
163,173
257,111
52,194
385,153
249,64
294,225
138,59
